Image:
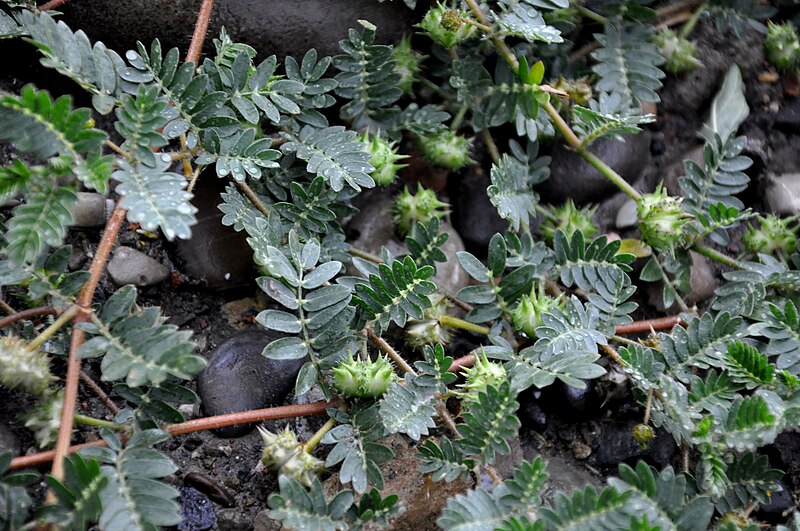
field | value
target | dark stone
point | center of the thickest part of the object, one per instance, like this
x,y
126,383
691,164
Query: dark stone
x,y
234,520
617,445
216,492
473,215
789,116
780,504
573,177
196,510
270,26
216,254
238,378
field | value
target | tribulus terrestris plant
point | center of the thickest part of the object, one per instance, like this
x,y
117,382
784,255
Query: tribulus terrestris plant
x,y
482,86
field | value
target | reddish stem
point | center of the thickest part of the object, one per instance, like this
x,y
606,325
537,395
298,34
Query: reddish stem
x,y
27,314
73,362
462,362
200,30
638,327
191,426
52,4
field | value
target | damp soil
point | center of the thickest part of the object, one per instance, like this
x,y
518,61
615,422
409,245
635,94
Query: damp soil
x,y
586,435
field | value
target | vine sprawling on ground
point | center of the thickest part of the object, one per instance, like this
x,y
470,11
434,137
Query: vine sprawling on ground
x,y
549,302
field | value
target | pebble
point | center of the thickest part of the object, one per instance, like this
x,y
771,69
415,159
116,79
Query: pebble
x,y
580,450
372,229
573,177
271,26
8,441
129,266
91,210
233,520
215,254
702,279
617,445
238,378
780,504
626,215
473,215
196,510
216,492
782,194
265,522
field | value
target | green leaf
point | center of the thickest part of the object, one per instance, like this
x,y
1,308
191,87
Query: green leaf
x,y
434,371
34,123
511,193
41,221
729,108
297,508
488,423
156,198
444,461
408,408
78,496
476,510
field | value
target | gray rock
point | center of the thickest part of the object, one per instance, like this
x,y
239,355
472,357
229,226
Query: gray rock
x,y
675,169
216,254
8,441
271,26
789,116
505,464
265,522
702,279
626,215
373,228
473,215
239,378
91,210
782,194
129,266
233,520
617,445
573,177
196,510
566,475
781,503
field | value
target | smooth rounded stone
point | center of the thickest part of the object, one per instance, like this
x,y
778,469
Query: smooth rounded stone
x,y
781,503
626,215
473,214
270,26
782,194
216,254
373,228
572,177
675,169
238,378
265,522
197,511
617,445
233,520
702,278
129,266
91,210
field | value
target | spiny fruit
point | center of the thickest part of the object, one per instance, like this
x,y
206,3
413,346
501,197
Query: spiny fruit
x,y
480,376
445,149
284,454
662,221
527,316
643,434
774,235
384,157
406,64
363,378
680,53
782,46
569,218
446,26
421,206
23,369
428,330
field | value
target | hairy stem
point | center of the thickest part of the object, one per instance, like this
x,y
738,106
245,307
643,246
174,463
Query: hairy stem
x,y
490,145
193,426
84,301
312,443
690,25
200,30
392,353
591,15
97,423
455,322
251,196
364,255
717,256
638,327
27,314
65,317
98,391
52,4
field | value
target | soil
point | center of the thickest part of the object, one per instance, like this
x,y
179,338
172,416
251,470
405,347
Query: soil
x,y
583,435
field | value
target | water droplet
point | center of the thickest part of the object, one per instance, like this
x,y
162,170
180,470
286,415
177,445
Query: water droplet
x,y
165,157
131,55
